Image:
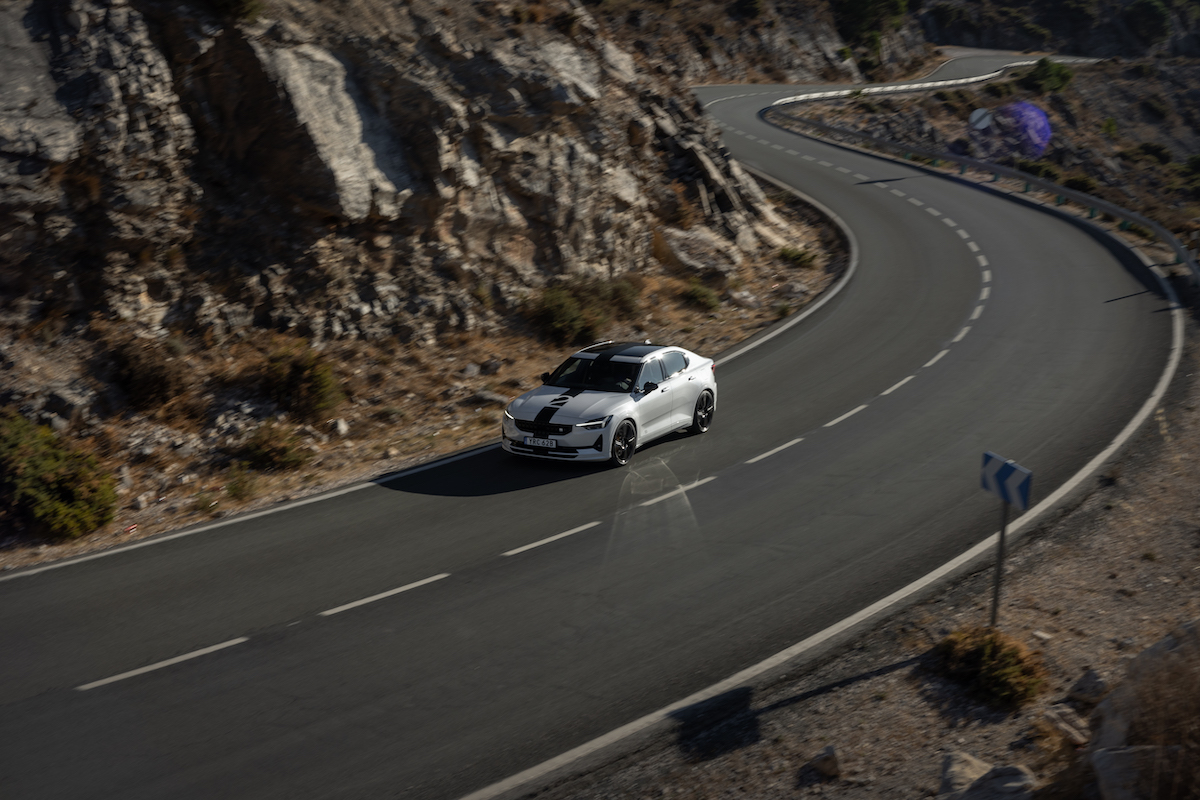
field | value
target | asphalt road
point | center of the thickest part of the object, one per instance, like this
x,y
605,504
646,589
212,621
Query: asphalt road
x,y
498,662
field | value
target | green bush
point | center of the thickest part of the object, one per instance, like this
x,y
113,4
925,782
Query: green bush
x,y
59,493
797,257
999,670
1109,127
239,10
858,19
1149,20
1047,76
148,374
700,295
1039,169
303,382
271,447
1080,183
1156,106
578,311
240,482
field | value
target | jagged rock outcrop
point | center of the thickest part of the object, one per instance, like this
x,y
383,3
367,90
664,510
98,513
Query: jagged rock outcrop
x,y
374,170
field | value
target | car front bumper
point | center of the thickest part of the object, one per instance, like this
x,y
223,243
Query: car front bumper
x,y
576,445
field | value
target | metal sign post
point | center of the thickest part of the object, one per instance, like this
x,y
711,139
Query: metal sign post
x,y
1011,482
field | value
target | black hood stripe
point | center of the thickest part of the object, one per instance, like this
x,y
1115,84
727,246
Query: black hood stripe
x,y
546,413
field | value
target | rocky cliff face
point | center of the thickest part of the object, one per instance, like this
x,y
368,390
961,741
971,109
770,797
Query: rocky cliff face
x,y
363,169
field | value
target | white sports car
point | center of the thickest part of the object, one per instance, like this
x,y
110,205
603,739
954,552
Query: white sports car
x,y
606,400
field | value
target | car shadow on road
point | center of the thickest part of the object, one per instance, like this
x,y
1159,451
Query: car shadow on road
x,y
491,471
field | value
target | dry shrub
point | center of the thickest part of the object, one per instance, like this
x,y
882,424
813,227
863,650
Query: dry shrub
x,y
273,447
998,669
1169,717
148,374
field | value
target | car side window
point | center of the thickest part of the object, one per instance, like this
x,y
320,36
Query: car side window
x,y
652,371
674,363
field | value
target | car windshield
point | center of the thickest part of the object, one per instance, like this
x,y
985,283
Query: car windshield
x,y
596,374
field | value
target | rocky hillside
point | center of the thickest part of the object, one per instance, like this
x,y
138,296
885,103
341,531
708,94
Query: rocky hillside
x,y
237,233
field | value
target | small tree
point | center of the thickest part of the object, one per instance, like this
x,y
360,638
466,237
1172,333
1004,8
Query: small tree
x,y
56,491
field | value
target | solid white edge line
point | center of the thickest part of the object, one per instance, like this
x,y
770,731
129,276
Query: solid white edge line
x,y
159,665
550,539
935,359
383,595
253,515
845,416
680,490
898,385
961,334
770,453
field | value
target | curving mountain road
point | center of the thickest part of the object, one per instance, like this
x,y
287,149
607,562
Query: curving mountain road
x,y
402,638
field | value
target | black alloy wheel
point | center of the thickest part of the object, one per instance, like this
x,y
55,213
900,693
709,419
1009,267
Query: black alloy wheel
x,y
702,418
624,442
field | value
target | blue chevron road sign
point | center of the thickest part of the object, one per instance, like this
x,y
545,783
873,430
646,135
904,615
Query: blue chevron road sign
x,y
1006,478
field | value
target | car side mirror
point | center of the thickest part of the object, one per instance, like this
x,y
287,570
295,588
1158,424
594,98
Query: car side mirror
x,y
545,377
649,387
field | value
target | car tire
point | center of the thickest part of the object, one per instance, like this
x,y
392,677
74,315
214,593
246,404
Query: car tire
x,y
703,415
624,442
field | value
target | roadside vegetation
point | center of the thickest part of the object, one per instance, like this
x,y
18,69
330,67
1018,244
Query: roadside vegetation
x,y
576,312
998,669
48,488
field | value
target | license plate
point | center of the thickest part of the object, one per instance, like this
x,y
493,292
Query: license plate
x,y
532,442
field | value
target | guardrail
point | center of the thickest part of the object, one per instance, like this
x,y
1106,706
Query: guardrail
x,y
1062,194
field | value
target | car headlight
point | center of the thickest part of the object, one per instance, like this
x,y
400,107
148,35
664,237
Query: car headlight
x,y
508,414
594,424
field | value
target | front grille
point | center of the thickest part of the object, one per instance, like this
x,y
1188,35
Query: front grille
x,y
542,428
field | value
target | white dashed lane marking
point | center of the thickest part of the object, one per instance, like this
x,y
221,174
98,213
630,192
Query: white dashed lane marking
x,y
843,170
977,312
934,211
861,177
845,416
825,164
678,491
961,334
963,234
169,662
987,274
983,262
949,223
915,202
550,539
898,385
985,293
935,359
770,453
898,193
383,595
974,247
